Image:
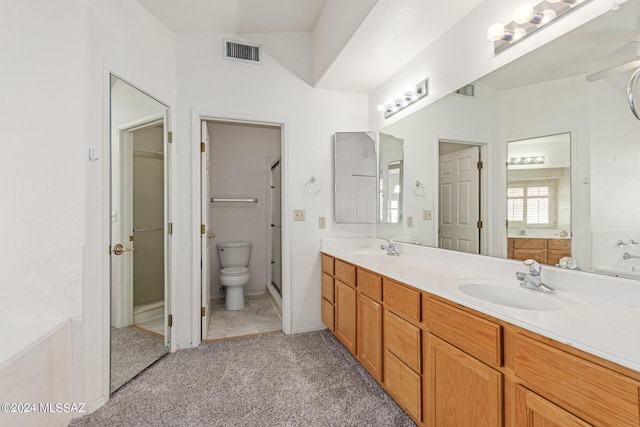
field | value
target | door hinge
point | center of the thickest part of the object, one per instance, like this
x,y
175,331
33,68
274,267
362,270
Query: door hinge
x,y
170,320
170,137
480,165
170,228
479,224
131,238
203,228
202,311
203,148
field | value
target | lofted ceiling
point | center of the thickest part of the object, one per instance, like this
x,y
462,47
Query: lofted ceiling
x,y
393,32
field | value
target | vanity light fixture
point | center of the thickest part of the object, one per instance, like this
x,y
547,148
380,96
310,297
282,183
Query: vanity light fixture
x,y
521,161
404,99
527,19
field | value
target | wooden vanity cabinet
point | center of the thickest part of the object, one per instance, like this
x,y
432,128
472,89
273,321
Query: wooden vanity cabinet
x,y
448,365
403,347
545,251
463,354
328,292
369,322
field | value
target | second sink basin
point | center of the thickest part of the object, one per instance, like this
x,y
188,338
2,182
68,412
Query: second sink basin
x,y
524,299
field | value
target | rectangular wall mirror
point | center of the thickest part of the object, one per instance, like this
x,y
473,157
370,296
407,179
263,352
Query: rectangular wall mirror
x,y
368,178
574,87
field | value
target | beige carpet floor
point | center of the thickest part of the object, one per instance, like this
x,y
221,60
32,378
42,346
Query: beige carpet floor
x,y
305,379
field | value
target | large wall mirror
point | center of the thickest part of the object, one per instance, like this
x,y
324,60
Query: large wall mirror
x,y
563,105
139,238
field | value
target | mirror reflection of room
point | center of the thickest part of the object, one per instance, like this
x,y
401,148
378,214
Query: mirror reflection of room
x,y
138,283
539,198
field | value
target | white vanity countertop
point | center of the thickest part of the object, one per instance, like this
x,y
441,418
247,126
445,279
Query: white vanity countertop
x,y
608,328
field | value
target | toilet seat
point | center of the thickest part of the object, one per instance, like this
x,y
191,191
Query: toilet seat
x,y
234,271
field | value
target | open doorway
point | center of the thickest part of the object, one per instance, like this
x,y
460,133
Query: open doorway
x,y
240,200
460,196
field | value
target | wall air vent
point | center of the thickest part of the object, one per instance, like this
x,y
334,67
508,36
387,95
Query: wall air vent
x,y
469,91
241,51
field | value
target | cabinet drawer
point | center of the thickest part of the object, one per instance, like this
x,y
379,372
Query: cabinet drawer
x,y
529,243
328,290
404,385
539,255
589,391
478,337
558,244
328,314
327,264
403,340
402,300
346,273
370,284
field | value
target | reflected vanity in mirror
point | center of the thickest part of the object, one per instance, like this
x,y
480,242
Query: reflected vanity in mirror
x,y
139,238
368,178
575,86
539,198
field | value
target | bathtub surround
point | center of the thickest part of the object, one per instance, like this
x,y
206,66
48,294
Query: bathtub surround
x,y
315,382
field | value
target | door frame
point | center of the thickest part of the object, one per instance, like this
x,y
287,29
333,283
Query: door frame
x,y
197,115
122,314
485,194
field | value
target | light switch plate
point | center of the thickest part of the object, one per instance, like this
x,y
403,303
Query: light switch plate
x,y
298,214
426,215
322,222
409,221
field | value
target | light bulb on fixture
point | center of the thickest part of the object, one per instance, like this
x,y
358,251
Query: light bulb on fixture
x,y
547,15
497,32
569,2
526,14
381,107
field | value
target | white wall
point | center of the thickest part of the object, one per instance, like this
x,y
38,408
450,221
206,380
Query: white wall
x,y
241,156
44,49
271,93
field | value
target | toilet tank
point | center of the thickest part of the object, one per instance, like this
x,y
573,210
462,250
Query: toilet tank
x,y
234,254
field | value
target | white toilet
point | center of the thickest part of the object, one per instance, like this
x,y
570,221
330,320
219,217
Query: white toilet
x,y
234,274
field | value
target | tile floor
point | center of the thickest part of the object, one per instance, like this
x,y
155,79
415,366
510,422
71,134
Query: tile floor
x,y
155,324
258,316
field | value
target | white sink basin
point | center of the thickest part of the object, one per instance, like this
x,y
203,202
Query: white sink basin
x,y
516,297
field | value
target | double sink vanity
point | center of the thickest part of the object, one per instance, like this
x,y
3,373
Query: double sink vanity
x,y
455,340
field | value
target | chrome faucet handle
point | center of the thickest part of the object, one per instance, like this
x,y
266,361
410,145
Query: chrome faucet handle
x,y
533,266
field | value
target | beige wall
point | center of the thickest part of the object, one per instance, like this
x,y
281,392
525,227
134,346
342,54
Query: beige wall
x,y
241,156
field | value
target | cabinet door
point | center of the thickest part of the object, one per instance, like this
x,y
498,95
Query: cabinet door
x,y
462,391
370,335
535,411
345,316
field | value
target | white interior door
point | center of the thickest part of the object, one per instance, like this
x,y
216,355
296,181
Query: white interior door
x,y
206,234
459,188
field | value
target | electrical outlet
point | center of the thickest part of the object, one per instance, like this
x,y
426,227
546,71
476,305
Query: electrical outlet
x,y
426,215
298,214
322,222
409,221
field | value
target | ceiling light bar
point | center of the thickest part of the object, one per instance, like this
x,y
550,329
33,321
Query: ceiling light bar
x,y
402,100
528,19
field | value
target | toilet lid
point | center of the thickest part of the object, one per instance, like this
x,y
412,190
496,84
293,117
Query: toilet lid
x,y
234,271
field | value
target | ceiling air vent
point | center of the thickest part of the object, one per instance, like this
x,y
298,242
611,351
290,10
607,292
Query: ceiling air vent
x,y
240,51
469,91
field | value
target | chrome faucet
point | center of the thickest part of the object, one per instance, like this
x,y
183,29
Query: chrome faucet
x,y
390,247
532,280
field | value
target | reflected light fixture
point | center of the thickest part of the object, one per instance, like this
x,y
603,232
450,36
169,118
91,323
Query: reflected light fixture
x,y
527,19
402,100
525,160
